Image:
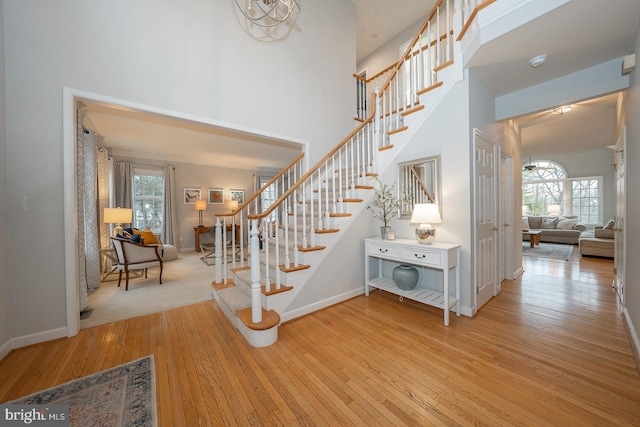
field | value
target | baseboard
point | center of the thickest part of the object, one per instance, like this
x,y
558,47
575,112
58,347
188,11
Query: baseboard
x,y
5,349
633,335
519,272
302,311
39,337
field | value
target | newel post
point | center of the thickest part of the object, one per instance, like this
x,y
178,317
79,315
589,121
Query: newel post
x,y
256,295
377,135
218,250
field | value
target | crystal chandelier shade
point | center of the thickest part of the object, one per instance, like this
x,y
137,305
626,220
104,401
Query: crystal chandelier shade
x,y
267,13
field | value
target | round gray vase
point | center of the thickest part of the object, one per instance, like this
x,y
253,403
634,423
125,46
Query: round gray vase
x,y
405,277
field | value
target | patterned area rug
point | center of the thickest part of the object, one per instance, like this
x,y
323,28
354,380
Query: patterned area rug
x,y
120,396
548,250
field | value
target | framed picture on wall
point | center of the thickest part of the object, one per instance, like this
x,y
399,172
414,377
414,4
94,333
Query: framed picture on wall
x,y
191,195
216,196
237,195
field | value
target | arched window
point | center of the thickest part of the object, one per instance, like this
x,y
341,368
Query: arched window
x,y
545,183
542,185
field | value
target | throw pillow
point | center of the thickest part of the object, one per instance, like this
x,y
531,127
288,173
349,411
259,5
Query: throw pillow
x,y
136,238
525,223
147,236
549,223
566,224
609,225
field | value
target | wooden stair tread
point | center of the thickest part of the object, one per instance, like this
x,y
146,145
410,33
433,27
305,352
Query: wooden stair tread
x,y
269,319
412,110
274,291
311,248
292,268
402,129
427,89
222,285
386,147
327,230
352,200
365,187
339,215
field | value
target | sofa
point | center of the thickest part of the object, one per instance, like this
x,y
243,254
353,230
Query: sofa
x,y
599,243
563,229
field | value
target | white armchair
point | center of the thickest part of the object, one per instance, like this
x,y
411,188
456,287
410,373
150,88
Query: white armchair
x,y
133,256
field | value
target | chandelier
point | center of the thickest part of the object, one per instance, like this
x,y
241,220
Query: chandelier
x,y
267,13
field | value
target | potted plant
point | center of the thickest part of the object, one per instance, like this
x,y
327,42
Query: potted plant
x,y
385,205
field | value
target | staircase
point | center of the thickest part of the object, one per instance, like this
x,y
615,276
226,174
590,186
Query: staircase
x,y
289,238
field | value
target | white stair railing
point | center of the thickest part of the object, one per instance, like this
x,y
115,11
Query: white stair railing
x,y
320,194
238,225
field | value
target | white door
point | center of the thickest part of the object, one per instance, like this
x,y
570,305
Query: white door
x,y
485,218
619,266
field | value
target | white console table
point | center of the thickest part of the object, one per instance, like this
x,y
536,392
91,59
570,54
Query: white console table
x,y
438,256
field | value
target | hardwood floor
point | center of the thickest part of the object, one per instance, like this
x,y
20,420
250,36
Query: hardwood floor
x,y
550,350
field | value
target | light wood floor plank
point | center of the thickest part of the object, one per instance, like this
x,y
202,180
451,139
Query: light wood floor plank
x,y
550,350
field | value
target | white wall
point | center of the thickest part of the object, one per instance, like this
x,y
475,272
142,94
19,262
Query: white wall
x,y
632,226
446,132
389,53
5,289
195,59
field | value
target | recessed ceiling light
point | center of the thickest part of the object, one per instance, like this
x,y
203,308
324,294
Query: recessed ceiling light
x,y
537,61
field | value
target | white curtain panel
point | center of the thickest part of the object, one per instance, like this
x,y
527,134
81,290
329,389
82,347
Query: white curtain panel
x,y
104,165
87,200
170,230
124,185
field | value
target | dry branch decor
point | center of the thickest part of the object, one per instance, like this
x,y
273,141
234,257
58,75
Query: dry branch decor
x,y
385,204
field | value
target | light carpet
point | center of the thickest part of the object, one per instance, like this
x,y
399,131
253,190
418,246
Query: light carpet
x,y
186,280
121,396
549,250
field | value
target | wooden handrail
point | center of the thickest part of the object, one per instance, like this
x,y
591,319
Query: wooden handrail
x,y
395,69
467,24
369,79
424,189
317,166
411,44
262,189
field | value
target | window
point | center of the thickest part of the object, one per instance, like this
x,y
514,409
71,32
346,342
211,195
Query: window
x,y
268,196
545,183
148,199
585,200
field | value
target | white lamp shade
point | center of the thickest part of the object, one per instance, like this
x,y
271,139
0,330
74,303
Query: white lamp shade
x,y
553,209
232,205
426,213
201,205
117,215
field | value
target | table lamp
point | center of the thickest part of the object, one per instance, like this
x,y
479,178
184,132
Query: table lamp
x,y
117,216
232,205
425,214
201,205
553,210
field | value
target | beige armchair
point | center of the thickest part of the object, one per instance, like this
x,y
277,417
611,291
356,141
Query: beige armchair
x,y
133,256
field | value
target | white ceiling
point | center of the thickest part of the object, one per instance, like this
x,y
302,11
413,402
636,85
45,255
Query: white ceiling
x,y
600,33
577,35
133,133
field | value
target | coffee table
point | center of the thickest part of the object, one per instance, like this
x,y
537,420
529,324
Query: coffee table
x,y
534,236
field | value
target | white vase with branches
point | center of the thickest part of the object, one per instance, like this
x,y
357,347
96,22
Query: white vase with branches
x,y
385,205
